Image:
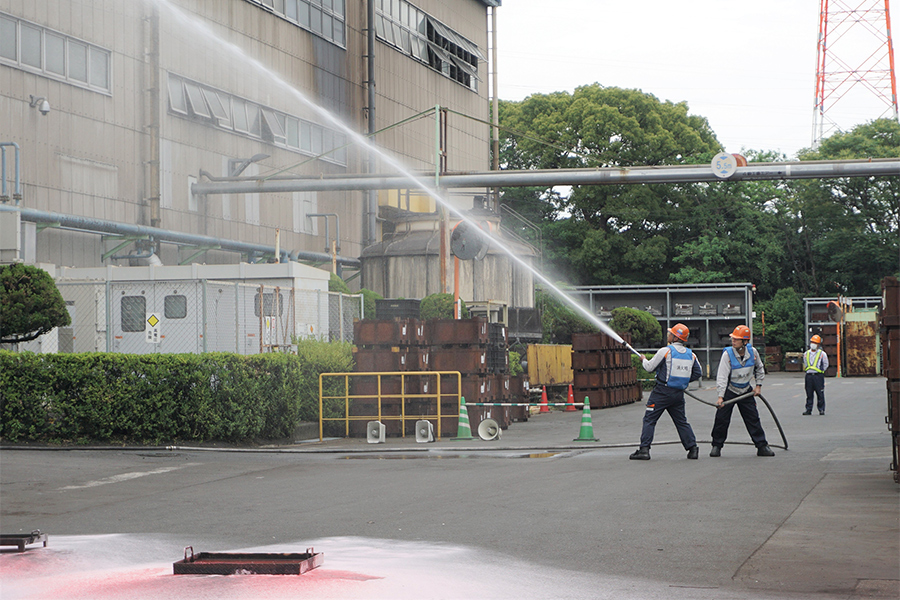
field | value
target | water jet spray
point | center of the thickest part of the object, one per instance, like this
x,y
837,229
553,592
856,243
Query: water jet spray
x,y
328,116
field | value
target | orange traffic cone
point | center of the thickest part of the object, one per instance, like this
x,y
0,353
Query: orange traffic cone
x,y
544,407
570,401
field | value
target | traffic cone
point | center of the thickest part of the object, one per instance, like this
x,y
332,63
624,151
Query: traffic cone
x,y
463,430
570,401
544,407
586,434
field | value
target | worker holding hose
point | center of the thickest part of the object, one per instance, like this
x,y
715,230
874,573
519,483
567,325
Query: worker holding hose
x,y
740,364
675,367
815,363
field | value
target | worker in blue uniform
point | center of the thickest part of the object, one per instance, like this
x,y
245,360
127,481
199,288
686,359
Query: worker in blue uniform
x,y
740,364
675,367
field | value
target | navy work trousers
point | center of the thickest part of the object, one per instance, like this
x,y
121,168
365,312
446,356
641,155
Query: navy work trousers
x,y
815,382
662,399
750,414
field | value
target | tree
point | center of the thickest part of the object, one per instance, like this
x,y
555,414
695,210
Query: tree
x,y
847,230
558,321
601,233
30,304
784,323
645,330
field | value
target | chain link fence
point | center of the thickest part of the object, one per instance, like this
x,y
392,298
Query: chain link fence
x,y
195,316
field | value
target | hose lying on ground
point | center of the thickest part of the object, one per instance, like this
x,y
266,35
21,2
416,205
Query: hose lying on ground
x,y
741,397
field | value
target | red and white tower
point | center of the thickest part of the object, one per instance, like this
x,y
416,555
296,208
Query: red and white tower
x,y
855,54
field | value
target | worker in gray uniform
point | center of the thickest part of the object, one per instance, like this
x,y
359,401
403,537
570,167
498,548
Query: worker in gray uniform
x,y
675,368
740,364
815,363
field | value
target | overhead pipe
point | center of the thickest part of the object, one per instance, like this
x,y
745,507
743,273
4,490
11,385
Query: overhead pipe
x,y
552,177
163,235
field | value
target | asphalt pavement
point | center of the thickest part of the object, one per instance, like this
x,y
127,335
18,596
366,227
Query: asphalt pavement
x,y
534,514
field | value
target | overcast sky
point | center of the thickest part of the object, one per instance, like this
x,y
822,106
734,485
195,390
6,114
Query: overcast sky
x,y
748,67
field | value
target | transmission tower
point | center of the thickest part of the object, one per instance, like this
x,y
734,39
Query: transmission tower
x,y
855,50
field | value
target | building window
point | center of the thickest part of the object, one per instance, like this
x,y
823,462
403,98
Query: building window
x,y
325,18
223,111
34,48
134,310
268,304
416,34
175,306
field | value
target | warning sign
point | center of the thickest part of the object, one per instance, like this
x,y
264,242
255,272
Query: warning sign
x,y
152,330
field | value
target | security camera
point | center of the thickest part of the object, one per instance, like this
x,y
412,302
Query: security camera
x,y
41,104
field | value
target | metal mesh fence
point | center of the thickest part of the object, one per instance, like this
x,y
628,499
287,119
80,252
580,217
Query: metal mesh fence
x,y
196,316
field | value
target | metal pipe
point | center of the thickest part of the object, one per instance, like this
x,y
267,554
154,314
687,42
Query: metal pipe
x,y
554,177
18,193
337,230
163,235
372,196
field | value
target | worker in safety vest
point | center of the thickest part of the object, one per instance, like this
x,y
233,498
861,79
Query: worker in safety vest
x,y
675,367
815,363
740,364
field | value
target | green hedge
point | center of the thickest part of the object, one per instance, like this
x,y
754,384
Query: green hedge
x,y
82,398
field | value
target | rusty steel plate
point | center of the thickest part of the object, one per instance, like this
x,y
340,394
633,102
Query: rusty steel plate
x,y
215,563
20,540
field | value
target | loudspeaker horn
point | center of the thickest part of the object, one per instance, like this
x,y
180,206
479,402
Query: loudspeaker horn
x,y
424,431
375,432
489,430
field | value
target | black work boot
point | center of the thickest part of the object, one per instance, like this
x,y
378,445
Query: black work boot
x,y
807,412
694,453
641,454
716,451
764,451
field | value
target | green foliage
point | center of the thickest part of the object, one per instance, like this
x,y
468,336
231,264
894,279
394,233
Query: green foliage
x,y
440,306
30,303
641,373
157,398
558,321
611,233
336,284
820,237
784,320
515,363
369,298
645,330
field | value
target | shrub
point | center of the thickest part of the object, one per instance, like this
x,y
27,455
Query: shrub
x,y
440,306
127,398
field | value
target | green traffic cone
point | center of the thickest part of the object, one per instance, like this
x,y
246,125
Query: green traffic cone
x,y
463,431
586,434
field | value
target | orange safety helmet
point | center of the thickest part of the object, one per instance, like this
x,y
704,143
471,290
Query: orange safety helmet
x,y
815,339
741,332
680,331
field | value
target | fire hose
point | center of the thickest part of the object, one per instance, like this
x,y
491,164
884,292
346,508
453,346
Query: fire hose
x,y
729,401
742,397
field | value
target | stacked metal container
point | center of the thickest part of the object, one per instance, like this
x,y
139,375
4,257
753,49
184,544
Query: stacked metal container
x,y
387,345
890,361
602,371
477,349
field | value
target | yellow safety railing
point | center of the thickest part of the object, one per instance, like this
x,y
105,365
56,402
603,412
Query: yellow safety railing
x,y
403,395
